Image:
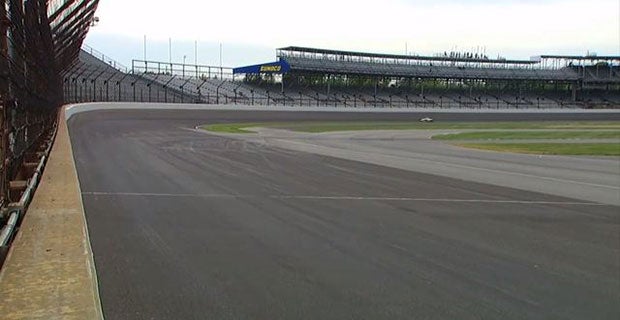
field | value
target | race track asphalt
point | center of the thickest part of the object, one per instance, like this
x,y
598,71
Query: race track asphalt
x,y
187,225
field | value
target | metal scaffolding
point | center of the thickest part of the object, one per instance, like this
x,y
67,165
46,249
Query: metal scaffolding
x,y
38,40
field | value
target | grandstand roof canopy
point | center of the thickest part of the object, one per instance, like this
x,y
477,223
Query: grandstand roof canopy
x,y
326,62
580,57
293,50
70,21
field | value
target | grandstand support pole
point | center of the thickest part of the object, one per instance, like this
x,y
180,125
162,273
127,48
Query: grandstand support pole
x,y
166,88
376,85
107,86
328,85
133,88
252,93
204,81
217,92
4,146
4,91
107,90
64,89
118,83
75,89
94,81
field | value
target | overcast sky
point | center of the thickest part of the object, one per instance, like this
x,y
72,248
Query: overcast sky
x,y
251,30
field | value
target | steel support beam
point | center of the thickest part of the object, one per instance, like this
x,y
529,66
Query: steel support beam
x,y
72,16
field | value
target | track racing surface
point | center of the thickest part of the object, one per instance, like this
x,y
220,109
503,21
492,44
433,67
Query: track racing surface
x,y
190,225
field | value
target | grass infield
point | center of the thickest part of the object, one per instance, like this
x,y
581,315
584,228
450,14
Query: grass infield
x,y
311,126
533,135
561,130
591,149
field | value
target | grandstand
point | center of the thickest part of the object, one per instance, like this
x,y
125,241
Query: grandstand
x,y
319,77
96,77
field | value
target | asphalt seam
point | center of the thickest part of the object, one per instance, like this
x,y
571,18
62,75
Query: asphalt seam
x,y
310,197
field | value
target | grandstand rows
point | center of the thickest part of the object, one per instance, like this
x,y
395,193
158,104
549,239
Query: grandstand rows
x,y
399,83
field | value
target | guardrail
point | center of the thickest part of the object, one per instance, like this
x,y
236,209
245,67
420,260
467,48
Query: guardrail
x,y
14,212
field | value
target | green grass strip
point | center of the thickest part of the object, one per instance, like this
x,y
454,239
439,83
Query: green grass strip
x,y
589,149
517,135
231,127
385,125
316,127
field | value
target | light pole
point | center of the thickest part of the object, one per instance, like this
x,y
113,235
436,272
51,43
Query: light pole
x,y
196,57
184,57
145,47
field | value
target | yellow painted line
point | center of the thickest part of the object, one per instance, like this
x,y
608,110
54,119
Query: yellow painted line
x,y
49,272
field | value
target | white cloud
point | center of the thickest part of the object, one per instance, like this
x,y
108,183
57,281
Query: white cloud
x,y
382,26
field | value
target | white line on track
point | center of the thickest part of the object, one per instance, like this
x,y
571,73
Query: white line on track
x,y
350,198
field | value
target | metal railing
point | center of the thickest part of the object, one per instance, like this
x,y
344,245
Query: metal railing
x,y
105,59
30,95
181,69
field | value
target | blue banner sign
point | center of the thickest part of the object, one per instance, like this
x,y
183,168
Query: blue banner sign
x,y
271,67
